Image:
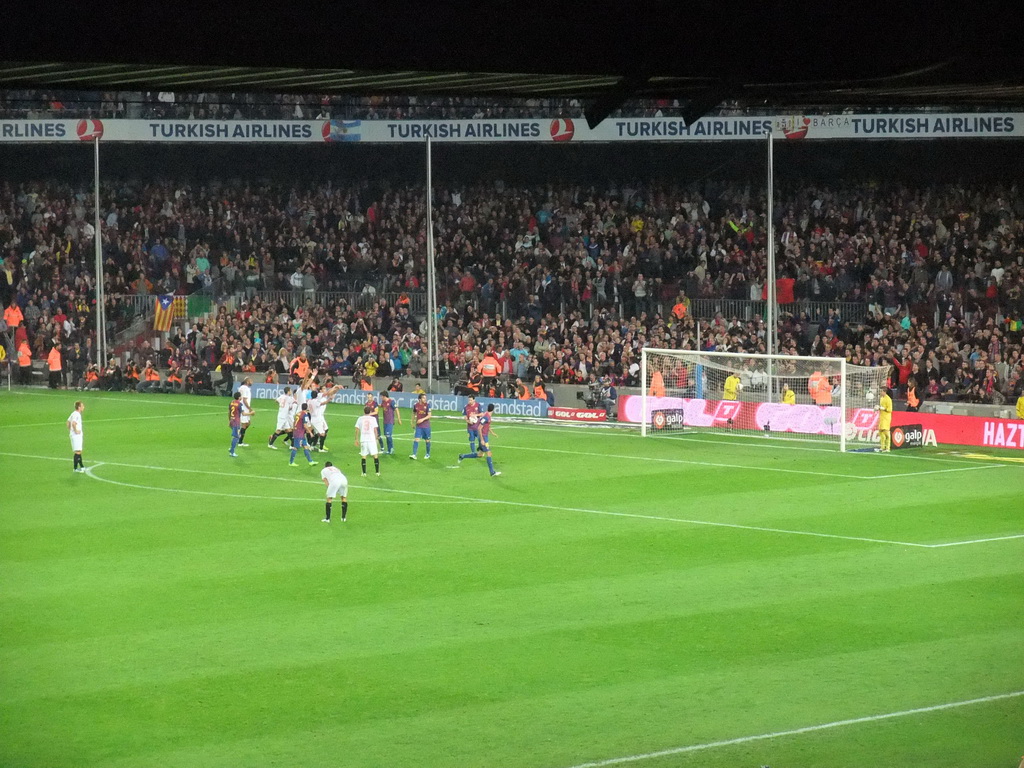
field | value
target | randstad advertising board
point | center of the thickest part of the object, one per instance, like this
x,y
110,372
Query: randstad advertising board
x,y
562,130
450,403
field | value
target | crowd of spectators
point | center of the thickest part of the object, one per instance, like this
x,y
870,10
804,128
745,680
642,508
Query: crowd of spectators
x,y
156,105
167,105
569,280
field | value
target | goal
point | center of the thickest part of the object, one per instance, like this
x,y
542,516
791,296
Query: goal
x,y
821,399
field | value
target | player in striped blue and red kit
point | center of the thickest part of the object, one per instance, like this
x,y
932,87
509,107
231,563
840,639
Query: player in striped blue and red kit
x,y
472,415
388,414
484,447
421,420
299,432
235,422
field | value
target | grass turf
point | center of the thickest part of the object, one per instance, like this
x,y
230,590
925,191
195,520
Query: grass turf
x,y
176,607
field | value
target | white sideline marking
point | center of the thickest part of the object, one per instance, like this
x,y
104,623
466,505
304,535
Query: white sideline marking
x,y
797,731
96,421
474,500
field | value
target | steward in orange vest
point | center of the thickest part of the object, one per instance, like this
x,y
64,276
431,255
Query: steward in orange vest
x,y
53,361
489,367
25,361
913,401
819,389
657,385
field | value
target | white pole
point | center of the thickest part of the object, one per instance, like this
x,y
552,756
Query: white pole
x,y
643,392
771,311
431,302
698,335
101,320
842,404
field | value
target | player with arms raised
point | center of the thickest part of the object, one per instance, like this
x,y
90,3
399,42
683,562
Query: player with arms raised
x,y
421,420
367,436
318,414
472,415
484,448
337,485
287,405
389,413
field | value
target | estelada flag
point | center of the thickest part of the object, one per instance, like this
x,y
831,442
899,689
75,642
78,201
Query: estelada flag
x,y
164,313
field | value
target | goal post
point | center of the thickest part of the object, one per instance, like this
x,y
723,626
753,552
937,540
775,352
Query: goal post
x,y
820,399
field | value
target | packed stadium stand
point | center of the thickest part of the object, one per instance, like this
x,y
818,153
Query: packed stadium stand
x,y
927,279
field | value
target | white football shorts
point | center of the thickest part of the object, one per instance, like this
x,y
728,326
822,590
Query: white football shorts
x,y
76,442
368,446
337,488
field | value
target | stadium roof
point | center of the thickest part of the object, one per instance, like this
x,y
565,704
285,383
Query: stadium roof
x,y
807,54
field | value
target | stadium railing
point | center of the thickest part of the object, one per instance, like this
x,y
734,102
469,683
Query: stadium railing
x,y
706,309
357,299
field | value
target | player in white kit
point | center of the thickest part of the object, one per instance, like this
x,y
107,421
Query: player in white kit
x,y
319,415
245,395
337,485
366,439
75,432
287,407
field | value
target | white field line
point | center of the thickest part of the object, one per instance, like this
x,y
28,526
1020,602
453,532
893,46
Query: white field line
x,y
502,446
97,421
752,441
937,471
90,472
798,731
976,541
530,505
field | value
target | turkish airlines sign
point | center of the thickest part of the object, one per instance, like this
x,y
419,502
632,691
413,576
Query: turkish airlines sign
x,y
578,414
563,130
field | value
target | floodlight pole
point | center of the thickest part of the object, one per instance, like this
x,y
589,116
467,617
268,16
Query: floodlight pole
x,y
101,314
771,311
431,278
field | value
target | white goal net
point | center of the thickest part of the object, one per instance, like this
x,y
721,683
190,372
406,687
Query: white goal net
x,y
771,396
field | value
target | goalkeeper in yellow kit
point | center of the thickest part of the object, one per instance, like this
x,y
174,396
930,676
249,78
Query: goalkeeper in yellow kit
x,y
885,421
731,387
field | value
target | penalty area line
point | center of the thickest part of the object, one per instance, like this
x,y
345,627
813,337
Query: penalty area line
x,y
798,731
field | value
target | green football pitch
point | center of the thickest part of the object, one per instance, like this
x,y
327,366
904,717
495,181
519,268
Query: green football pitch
x,y
608,600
